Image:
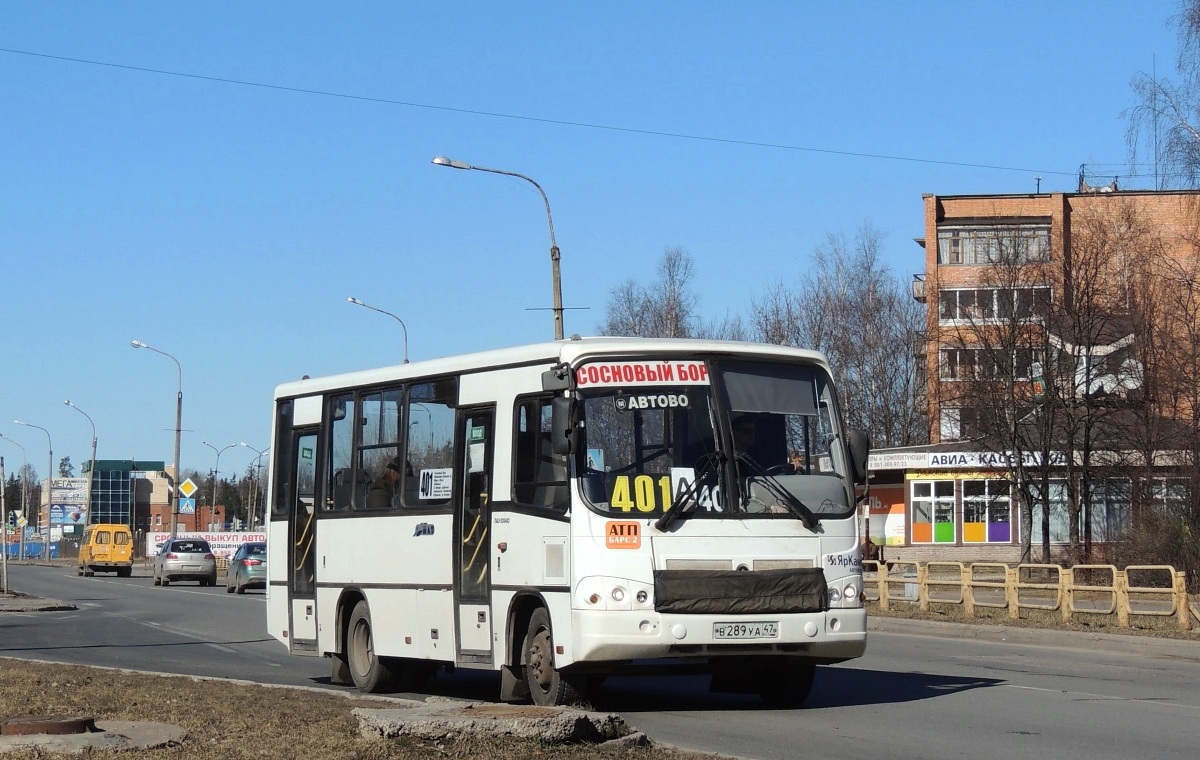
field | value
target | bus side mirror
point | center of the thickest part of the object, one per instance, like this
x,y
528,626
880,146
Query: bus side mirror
x,y
859,448
562,425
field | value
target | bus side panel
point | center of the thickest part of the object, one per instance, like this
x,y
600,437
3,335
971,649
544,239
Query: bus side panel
x,y
403,564
535,560
278,622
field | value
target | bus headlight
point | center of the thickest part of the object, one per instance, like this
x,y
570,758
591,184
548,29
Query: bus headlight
x,y
600,593
845,593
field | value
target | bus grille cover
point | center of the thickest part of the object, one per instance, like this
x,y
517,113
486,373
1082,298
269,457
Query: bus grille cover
x,y
740,592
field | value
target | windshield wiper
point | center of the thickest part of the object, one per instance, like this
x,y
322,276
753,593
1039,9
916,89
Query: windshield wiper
x,y
709,463
780,492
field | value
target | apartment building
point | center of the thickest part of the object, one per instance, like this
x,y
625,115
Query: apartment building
x,y
1060,363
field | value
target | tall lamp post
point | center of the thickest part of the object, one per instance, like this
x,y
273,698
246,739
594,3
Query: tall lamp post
x,y
555,255
212,507
358,302
92,469
49,482
173,502
24,475
254,483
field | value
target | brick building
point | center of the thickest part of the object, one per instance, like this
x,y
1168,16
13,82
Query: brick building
x,y
1057,344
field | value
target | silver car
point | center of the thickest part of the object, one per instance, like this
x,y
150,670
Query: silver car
x,y
185,559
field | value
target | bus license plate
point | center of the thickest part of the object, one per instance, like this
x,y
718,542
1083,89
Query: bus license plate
x,y
754,630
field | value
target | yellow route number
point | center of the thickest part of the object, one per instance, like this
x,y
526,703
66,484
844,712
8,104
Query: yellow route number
x,y
643,493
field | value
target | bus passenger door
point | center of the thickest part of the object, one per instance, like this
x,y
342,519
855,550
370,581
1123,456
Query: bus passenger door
x,y
472,583
302,526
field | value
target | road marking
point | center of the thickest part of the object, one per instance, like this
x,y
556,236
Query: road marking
x,y
1108,697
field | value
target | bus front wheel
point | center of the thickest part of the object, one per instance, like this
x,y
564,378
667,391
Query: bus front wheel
x,y
548,687
786,684
371,673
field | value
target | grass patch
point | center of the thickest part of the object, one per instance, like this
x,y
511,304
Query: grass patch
x,y
225,720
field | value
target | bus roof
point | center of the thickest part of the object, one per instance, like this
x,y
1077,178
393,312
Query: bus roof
x,y
568,350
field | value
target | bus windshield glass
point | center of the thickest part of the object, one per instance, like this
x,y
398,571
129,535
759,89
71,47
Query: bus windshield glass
x,y
715,439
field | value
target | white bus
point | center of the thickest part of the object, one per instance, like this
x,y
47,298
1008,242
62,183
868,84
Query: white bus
x,y
565,511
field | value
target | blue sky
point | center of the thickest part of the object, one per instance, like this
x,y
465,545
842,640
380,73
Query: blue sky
x,y
227,223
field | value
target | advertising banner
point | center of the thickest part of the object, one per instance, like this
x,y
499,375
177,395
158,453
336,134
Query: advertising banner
x,y
223,544
68,491
68,514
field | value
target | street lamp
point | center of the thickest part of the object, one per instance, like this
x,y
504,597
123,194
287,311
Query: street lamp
x,y
174,496
358,302
212,506
24,474
555,255
92,469
254,483
49,481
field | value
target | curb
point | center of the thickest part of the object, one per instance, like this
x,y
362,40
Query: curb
x,y
15,603
1184,649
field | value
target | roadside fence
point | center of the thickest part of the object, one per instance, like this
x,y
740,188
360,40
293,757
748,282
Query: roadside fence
x,y
1121,595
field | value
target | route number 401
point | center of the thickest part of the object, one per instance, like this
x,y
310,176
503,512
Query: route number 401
x,y
645,493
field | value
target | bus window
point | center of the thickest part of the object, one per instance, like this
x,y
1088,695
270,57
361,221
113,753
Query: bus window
x,y
539,475
428,478
340,475
381,422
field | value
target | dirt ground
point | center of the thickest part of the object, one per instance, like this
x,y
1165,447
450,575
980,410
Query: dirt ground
x,y
236,721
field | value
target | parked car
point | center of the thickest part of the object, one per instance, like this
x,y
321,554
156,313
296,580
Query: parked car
x,y
247,568
185,559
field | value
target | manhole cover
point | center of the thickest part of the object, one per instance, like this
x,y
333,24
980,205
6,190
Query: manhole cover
x,y
47,724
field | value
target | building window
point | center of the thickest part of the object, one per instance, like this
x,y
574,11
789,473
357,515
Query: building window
x,y
993,243
974,305
987,512
933,511
1168,495
1060,523
987,363
1110,508
949,423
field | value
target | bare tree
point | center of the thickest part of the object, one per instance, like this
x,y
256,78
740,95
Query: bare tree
x,y
1166,121
1166,506
666,308
850,307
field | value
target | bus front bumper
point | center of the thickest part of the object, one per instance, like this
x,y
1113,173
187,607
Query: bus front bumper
x,y
616,635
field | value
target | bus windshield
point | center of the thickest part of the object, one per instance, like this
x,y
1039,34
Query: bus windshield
x,y
718,439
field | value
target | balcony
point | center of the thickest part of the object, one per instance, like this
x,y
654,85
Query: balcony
x,y
918,288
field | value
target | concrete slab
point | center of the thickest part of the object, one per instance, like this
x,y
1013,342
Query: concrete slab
x,y
20,603
111,735
550,725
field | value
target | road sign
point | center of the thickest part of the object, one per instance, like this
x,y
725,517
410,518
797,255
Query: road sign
x,y
187,506
188,488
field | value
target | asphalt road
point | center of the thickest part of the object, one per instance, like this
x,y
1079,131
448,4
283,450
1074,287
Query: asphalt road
x,y
924,690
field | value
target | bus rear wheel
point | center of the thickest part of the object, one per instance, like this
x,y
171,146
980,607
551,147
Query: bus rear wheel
x,y
371,673
548,687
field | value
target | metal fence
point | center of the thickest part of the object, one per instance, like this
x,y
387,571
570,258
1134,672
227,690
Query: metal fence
x,y
1082,591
